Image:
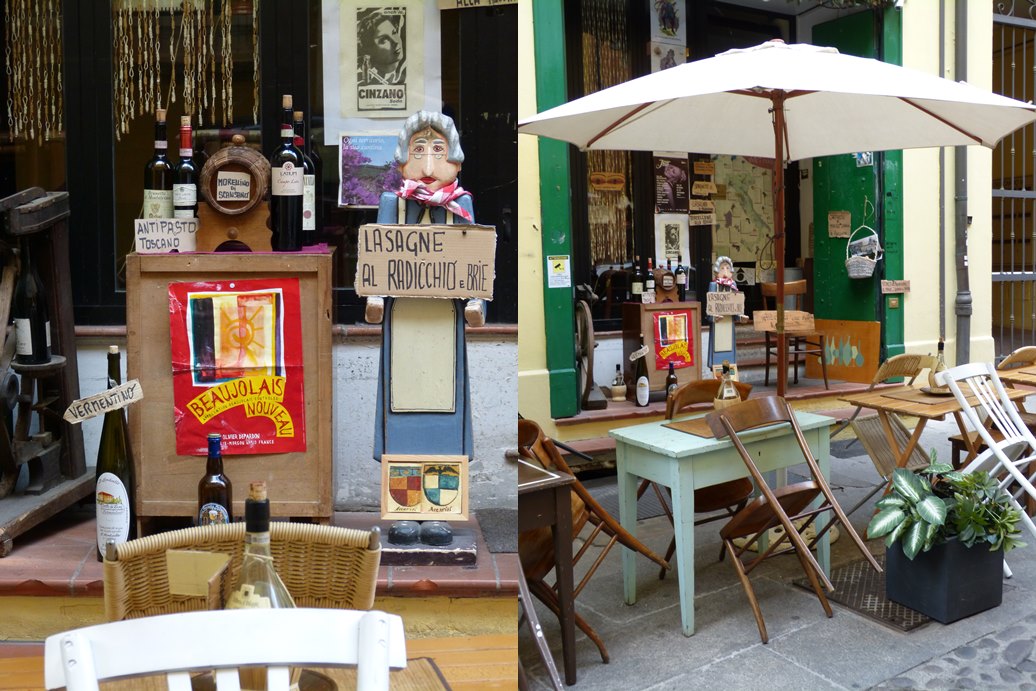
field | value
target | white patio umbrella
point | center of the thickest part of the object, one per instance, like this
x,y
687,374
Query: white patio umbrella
x,y
783,102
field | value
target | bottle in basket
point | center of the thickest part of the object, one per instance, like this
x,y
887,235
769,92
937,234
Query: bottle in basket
x,y
727,394
258,584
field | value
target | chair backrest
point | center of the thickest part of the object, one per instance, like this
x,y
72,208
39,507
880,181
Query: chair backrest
x,y
1020,357
905,365
177,644
321,565
701,391
792,289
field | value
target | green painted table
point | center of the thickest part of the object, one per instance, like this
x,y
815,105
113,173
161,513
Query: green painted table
x,y
684,462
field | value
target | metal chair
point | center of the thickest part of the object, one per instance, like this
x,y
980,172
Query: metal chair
x,y
535,547
728,496
801,344
779,506
224,640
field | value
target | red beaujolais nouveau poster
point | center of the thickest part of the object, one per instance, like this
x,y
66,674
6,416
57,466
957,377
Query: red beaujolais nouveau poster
x,y
672,342
237,365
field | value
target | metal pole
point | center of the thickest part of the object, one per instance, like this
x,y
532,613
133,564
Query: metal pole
x,y
778,237
962,304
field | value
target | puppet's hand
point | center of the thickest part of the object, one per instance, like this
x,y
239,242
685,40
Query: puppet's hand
x,y
475,313
374,311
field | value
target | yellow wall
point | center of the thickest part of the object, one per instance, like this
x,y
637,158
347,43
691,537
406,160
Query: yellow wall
x,y
533,381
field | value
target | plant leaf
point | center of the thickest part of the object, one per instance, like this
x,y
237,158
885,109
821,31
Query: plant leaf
x,y
885,521
911,487
932,509
914,539
889,501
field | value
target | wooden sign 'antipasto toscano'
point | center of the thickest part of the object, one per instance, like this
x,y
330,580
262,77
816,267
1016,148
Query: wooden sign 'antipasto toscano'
x,y
438,261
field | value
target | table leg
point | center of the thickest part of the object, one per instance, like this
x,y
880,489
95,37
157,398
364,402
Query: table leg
x,y
628,519
562,530
683,525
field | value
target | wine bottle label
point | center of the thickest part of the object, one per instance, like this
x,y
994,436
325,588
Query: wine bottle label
x,y
309,202
186,153
161,144
637,288
245,597
158,204
185,195
23,336
113,510
639,353
288,180
668,281
213,513
643,391
671,389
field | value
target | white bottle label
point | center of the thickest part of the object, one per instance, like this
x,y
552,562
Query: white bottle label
x,y
213,513
23,337
288,180
671,389
113,510
643,391
309,203
668,282
158,204
637,288
185,195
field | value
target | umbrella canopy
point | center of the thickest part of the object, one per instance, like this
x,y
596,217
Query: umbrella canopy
x,y
784,102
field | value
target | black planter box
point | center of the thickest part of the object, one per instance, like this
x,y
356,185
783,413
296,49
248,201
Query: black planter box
x,y
948,582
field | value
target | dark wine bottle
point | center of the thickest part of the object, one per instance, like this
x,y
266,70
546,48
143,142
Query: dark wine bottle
x,y
287,170
309,185
637,282
649,284
114,487
671,383
681,278
158,175
215,491
30,312
185,176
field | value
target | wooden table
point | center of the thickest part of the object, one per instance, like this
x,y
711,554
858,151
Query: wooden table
x,y
545,499
906,400
1026,376
685,462
468,663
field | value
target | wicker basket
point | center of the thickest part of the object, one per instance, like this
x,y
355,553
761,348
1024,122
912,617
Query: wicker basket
x,y
321,565
861,265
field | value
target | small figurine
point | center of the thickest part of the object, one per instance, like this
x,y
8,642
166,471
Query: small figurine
x,y
722,339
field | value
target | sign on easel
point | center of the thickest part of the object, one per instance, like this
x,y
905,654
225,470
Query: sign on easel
x,y
437,261
794,320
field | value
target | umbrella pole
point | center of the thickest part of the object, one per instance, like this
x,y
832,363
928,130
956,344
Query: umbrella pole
x,y
778,236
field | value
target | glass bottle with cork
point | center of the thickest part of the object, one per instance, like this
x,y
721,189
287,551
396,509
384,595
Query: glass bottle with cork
x,y
215,491
641,383
726,394
113,480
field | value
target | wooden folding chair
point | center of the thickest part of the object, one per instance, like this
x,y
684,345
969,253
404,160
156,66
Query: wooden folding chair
x,y
535,547
728,496
801,344
781,506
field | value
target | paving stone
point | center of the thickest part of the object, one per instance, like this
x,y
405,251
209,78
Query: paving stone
x,y
1012,632
1017,652
1027,666
966,652
967,683
987,643
901,683
1011,676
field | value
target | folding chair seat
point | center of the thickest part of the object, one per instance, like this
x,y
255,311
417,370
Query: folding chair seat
x,y
536,547
778,506
727,496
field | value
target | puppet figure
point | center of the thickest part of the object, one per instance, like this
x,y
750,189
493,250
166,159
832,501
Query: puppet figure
x,y
423,404
722,341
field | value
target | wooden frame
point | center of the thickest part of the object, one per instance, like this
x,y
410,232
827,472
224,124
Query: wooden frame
x,y
637,318
457,510
301,482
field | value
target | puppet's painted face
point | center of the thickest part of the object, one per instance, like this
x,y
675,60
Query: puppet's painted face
x,y
725,271
426,161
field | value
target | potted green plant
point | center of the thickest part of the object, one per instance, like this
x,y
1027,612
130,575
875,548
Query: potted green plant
x,y
946,534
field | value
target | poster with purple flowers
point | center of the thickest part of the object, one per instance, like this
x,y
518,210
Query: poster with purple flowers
x,y
368,167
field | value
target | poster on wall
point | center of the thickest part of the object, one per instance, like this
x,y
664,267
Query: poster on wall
x,y
409,56
671,238
743,209
368,167
236,349
666,55
672,342
671,175
669,22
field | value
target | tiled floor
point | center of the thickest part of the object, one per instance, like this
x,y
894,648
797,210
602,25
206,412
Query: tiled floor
x,y
58,557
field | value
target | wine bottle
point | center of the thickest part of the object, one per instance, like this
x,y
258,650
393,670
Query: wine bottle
x,y
309,185
643,385
940,365
671,384
287,186
649,284
158,175
727,394
215,491
681,278
30,312
258,585
637,283
185,176
114,488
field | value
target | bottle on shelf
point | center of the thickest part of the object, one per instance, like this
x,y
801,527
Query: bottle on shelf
x,y
30,311
671,383
666,277
158,175
185,175
640,378
637,281
618,384
727,394
215,491
649,284
681,278
258,585
309,185
287,186
114,488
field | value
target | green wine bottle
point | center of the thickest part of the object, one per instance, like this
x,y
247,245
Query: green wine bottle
x,y
114,488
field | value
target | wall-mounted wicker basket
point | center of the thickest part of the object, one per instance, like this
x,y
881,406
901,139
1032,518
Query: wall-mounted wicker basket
x,y
861,263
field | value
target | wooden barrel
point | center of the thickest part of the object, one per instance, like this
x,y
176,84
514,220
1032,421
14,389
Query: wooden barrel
x,y
235,178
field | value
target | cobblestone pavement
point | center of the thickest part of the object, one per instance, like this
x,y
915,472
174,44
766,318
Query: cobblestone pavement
x,y
1002,660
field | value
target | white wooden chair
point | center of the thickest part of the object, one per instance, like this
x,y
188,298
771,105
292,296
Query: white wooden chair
x,y
1010,452
223,640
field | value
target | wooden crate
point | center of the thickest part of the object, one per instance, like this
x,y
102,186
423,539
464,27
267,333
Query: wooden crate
x,y
637,318
300,484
